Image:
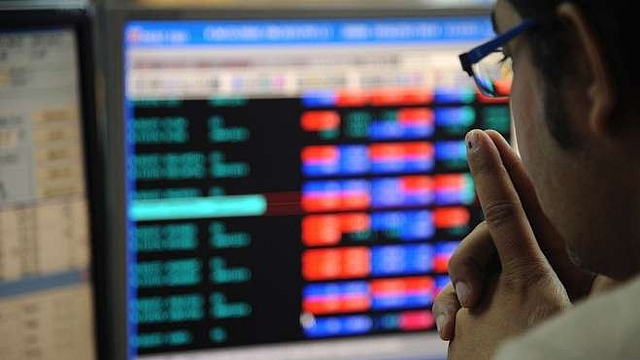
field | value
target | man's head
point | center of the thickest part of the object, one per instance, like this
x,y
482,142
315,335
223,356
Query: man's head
x,y
576,118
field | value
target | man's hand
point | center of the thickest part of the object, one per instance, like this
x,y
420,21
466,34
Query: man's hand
x,y
476,258
526,288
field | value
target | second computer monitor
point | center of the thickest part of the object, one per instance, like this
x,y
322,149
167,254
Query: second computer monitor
x,y
51,207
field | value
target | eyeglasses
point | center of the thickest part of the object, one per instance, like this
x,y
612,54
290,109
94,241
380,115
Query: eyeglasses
x,y
490,69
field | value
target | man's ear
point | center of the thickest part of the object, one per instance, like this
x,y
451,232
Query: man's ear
x,y
601,89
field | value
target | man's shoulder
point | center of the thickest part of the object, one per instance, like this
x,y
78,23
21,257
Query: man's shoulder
x,y
606,326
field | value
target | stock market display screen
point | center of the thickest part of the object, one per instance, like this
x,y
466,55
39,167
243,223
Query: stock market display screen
x,y
296,182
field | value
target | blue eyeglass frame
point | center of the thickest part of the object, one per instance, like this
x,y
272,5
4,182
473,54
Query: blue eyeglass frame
x,y
473,56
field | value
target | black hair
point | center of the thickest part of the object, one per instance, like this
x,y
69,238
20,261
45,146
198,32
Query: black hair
x,y
614,25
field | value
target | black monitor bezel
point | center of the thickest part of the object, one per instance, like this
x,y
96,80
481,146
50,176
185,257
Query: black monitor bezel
x,y
80,19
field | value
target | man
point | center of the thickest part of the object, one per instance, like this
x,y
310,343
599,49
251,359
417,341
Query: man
x,y
552,273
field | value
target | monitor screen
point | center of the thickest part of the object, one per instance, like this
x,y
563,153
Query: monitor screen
x,y
294,185
46,287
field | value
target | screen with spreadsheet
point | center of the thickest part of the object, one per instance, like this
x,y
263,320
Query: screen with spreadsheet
x,y
46,288
294,187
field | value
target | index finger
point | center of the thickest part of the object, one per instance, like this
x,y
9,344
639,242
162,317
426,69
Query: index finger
x,y
504,214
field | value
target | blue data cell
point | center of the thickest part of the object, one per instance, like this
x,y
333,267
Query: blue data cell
x,y
385,130
337,289
454,150
322,187
401,259
340,326
459,94
406,225
354,160
455,117
314,99
395,192
401,300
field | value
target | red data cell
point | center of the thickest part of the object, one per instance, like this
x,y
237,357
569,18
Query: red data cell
x,y
320,153
329,201
320,120
356,200
450,181
355,223
401,96
417,183
445,218
417,96
322,264
416,116
401,151
387,151
335,264
326,305
355,302
403,285
416,320
441,264
353,98
337,303
356,262
419,150
321,230
327,230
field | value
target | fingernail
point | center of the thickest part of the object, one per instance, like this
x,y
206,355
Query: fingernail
x,y
440,320
463,292
472,140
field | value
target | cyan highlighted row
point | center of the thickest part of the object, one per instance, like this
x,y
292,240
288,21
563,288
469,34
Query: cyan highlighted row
x,y
196,208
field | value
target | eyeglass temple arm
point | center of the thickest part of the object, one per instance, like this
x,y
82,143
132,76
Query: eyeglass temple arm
x,y
476,54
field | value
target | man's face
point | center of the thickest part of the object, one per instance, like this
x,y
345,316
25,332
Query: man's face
x,y
570,182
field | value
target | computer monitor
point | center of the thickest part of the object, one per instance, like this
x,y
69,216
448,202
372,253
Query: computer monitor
x,y
49,182
290,183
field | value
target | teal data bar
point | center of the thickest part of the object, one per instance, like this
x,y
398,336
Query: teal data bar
x,y
193,208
